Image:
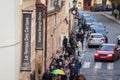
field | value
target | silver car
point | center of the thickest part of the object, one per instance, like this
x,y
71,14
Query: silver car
x,y
95,39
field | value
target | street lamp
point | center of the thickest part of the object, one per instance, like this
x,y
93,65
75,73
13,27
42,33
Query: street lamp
x,y
74,3
74,9
79,4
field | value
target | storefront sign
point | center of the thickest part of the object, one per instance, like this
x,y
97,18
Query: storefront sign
x,y
26,41
39,27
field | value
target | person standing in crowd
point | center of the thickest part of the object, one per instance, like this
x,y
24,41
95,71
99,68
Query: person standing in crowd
x,y
75,77
53,64
71,38
60,66
77,36
79,47
74,44
73,71
65,41
67,71
47,75
81,38
77,65
69,49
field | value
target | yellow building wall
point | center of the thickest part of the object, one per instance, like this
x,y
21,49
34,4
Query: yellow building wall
x,y
92,3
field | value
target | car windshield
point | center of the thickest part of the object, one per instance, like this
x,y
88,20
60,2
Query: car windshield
x,y
90,20
96,36
106,48
100,30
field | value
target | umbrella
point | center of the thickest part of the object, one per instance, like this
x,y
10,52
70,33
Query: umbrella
x,y
58,71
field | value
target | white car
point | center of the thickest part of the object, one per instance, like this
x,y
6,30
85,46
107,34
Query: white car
x,y
95,39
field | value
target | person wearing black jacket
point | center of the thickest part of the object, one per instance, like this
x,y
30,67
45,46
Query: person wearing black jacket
x,y
47,75
65,41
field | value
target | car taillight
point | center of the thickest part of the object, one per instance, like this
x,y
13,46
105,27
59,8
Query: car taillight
x,y
103,39
90,39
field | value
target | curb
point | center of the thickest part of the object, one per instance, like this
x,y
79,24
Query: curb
x,y
112,18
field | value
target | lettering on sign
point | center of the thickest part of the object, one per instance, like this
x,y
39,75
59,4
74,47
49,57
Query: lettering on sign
x,y
26,41
39,28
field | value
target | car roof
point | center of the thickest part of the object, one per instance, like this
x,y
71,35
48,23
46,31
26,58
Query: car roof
x,y
93,26
109,44
95,34
99,28
86,14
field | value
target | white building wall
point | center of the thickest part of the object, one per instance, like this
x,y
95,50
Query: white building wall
x,y
9,40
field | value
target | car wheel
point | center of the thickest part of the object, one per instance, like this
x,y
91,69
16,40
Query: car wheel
x,y
95,60
119,56
106,41
114,59
89,46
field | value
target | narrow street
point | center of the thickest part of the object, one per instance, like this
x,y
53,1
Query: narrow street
x,y
102,70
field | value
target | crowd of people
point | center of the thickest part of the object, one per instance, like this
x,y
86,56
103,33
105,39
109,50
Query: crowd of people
x,y
68,59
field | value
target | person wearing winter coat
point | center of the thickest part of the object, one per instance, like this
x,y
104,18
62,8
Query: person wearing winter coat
x,y
69,50
79,47
77,65
65,41
73,71
47,75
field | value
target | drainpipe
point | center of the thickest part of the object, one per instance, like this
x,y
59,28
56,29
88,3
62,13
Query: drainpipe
x,y
45,61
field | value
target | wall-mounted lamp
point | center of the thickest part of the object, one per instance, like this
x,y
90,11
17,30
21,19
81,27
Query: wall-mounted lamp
x,y
74,3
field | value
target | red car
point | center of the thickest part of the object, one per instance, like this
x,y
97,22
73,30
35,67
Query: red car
x,y
109,52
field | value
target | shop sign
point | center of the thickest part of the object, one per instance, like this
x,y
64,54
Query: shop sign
x,y
26,41
39,27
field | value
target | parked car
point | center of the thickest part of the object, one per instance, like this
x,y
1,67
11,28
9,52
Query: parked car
x,y
97,7
109,52
102,31
89,21
99,24
95,39
80,13
109,8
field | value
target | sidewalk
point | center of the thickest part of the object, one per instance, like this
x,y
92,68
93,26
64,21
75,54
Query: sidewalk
x,y
111,17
